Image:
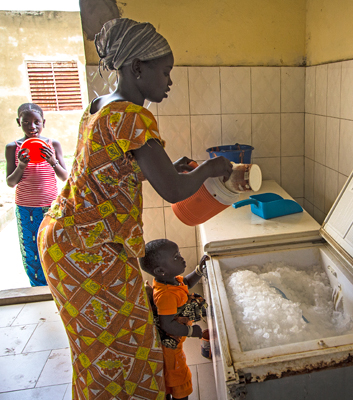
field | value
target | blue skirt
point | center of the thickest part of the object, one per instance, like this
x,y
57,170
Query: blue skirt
x,y
28,221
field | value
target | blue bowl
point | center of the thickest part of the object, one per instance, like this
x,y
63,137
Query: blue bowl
x,y
238,153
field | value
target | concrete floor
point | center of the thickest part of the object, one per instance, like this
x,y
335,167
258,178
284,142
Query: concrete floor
x,y
11,267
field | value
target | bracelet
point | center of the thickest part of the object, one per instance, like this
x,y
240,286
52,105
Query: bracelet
x,y
198,271
55,164
190,330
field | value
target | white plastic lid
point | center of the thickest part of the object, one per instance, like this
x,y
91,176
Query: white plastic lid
x,y
255,177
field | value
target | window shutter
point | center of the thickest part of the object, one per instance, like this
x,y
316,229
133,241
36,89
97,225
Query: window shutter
x,y
55,86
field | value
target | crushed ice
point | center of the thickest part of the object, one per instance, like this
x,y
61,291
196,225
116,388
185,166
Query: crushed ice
x,y
281,304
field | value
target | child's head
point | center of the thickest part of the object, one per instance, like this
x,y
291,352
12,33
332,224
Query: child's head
x,y
31,118
162,259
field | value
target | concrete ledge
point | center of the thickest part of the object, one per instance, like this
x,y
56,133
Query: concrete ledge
x,y
25,295
7,214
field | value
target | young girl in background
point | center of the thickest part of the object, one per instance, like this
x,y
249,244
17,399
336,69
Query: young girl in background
x,y
36,185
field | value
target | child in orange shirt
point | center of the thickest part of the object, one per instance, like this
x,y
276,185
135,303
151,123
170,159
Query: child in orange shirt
x,y
176,310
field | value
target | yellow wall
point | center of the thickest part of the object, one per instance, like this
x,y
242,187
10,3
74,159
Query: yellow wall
x,y
223,32
329,31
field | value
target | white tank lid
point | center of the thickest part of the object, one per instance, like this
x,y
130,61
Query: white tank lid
x,y
255,177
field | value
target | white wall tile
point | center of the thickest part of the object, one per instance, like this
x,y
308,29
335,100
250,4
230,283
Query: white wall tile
x,y
177,102
321,90
334,74
319,216
292,89
309,180
183,235
345,160
347,90
151,198
152,107
236,128
309,207
342,179
292,175
99,85
310,90
332,142
153,224
270,168
235,90
299,200
265,89
331,188
310,136
205,93
319,186
205,133
292,134
266,134
320,139
175,130
190,257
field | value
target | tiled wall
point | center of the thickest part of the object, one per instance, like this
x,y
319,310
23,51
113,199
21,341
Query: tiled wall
x,y
208,106
328,134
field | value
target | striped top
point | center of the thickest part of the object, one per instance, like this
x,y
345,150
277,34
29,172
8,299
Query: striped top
x,y
37,187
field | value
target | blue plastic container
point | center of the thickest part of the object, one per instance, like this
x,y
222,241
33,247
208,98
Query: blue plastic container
x,y
238,153
270,205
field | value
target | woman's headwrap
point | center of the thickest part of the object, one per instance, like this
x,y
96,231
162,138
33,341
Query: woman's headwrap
x,y
121,40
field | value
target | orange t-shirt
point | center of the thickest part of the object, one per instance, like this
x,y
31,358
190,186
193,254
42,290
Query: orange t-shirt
x,y
168,298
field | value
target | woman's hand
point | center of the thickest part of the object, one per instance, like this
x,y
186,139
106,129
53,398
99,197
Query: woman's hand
x,y
182,165
165,179
219,166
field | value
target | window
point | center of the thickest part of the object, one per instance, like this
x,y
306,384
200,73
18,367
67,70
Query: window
x,y
55,86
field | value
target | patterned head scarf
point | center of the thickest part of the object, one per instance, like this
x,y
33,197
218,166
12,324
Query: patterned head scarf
x,y
121,40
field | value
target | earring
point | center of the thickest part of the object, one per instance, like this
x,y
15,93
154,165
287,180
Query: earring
x,y
138,77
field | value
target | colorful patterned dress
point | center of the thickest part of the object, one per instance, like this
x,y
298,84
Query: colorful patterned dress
x,y
89,244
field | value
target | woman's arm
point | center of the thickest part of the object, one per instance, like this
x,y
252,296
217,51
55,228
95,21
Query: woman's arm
x,y
172,327
14,173
168,183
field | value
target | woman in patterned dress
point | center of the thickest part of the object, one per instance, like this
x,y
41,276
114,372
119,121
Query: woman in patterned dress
x,y
92,237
